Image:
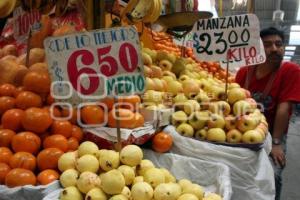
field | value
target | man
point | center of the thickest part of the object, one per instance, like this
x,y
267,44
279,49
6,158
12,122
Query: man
x,y
276,85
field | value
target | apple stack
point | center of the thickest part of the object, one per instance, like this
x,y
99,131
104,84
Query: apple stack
x,y
198,99
91,173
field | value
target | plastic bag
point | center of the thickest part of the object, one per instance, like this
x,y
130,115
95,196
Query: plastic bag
x,y
214,177
28,192
252,175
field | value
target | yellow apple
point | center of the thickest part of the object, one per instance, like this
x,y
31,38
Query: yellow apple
x,y
156,71
149,85
220,107
216,121
246,123
178,118
185,130
147,60
252,137
190,88
165,65
174,87
241,107
201,134
234,136
216,135
236,94
191,106
230,122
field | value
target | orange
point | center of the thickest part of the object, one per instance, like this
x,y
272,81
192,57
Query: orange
x,y
62,127
57,141
5,155
162,142
72,144
4,169
37,120
7,89
23,160
132,101
18,90
65,112
77,133
26,141
55,112
109,102
47,176
6,103
48,158
92,114
12,118
126,117
37,81
6,136
20,177
27,99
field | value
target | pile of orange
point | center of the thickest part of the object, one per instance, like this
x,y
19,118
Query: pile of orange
x,y
31,141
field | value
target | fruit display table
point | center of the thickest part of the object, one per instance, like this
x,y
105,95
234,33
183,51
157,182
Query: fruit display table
x,y
251,172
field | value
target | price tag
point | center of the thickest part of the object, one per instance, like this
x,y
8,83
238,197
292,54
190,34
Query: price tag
x,y
186,41
234,36
23,21
236,64
89,66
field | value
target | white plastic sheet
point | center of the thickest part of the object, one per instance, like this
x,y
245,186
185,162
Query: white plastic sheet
x,y
214,177
252,176
28,192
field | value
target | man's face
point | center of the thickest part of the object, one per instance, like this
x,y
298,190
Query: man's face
x,y
274,49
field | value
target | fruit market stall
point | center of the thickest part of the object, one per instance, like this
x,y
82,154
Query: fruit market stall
x,y
69,97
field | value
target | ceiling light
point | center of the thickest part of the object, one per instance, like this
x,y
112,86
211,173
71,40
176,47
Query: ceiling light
x,y
238,3
290,48
289,53
298,13
287,58
294,38
295,28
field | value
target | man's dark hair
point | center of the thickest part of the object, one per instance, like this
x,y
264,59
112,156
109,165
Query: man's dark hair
x,y
271,31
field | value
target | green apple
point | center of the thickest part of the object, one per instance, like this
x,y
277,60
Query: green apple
x,y
198,119
165,65
151,53
156,71
159,85
163,55
185,130
183,78
220,107
190,88
242,107
203,100
216,121
233,85
153,96
148,71
252,137
216,135
178,66
168,73
149,85
179,100
236,94
174,87
178,118
204,85
234,136
246,123
191,106
168,79
201,134
147,60
230,122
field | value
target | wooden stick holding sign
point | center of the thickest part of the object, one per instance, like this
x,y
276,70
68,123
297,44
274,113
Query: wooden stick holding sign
x,y
227,75
118,144
28,47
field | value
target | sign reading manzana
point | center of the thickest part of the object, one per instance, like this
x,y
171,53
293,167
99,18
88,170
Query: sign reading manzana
x,y
234,38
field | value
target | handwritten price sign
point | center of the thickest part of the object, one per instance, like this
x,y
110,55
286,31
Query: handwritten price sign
x,y
233,38
23,21
89,66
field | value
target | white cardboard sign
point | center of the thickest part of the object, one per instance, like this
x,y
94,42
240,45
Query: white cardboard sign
x,y
89,66
234,36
